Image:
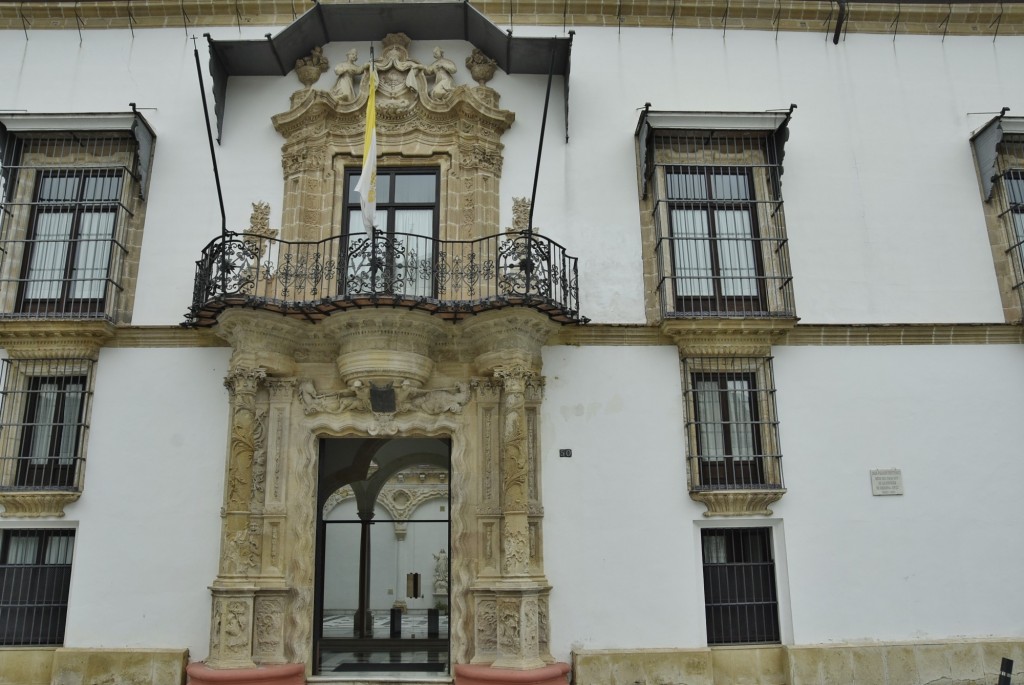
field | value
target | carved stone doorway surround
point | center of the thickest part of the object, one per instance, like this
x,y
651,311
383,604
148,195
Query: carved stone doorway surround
x,y
477,382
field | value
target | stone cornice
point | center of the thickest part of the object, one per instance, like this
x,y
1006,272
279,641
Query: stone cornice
x,y
47,339
978,19
616,335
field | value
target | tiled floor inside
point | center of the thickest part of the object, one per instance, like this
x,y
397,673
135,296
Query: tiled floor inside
x,y
414,626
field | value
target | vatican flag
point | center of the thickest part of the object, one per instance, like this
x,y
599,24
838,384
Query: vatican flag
x,y
367,186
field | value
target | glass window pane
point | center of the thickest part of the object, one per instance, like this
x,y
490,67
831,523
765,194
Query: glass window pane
x,y
1015,190
42,423
102,188
711,435
737,265
92,258
21,549
418,188
69,423
383,188
58,188
741,420
49,255
415,221
1018,225
58,550
730,187
687,186
692,253
714,548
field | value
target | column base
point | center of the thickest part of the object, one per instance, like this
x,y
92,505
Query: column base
x,y
286,674
555,674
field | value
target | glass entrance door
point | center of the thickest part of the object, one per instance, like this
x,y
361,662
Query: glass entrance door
x,y
383,556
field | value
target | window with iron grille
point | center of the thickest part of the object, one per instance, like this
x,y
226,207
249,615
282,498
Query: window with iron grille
x,y
70,202
44,407
999,153
740,597
35,576
399,258
713,203
731,424
1013,217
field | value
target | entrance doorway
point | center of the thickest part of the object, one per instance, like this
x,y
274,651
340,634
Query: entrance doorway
x,y
383,545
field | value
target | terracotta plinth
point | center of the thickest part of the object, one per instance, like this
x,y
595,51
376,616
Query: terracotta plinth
x,y
555,674
286,674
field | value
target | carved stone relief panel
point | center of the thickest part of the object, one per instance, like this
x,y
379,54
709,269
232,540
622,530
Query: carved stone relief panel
x,y
269,610
231,630
485,635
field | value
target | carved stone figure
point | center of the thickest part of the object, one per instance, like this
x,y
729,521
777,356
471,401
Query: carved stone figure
x,y
435,401
441,573
356,398
442,70
345,87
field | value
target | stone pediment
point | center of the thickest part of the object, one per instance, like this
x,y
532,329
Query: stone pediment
x,y
410,95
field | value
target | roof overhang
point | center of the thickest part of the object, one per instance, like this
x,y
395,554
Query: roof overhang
x,y
275,56
18,124
985,143
774,124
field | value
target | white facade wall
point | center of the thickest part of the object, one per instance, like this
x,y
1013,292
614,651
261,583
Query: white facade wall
x,y
886,225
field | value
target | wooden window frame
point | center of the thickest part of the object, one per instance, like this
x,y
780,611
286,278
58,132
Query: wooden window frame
x,y
718,301
79,206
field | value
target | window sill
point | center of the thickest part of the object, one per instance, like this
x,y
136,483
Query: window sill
x,y
738,502
35,503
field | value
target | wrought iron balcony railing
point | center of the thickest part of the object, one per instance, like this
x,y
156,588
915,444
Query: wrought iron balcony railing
x,y
452,279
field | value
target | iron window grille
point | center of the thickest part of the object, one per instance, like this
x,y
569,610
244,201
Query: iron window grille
x,y
398,256
35,576
67,202
720,245
1011,211
740,595
44,410
732,425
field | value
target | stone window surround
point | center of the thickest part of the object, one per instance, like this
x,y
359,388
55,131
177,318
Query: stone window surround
x,y
75,345
135,157
999,149
760,369
749,133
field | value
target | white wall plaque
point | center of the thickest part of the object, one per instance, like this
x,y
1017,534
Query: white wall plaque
x,y
886,482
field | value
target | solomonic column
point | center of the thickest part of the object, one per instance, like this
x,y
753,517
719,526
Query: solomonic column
x,y
234,592
517,595
510,594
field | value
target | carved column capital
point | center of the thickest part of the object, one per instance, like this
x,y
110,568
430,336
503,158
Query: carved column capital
x,y
281,389
514,376
244,381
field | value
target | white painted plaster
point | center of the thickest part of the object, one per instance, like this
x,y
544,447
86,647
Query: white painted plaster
x,y
938,561
618,536
148,519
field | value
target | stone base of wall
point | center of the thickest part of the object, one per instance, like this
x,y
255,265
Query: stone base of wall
x,y
26,666
966,662
61,666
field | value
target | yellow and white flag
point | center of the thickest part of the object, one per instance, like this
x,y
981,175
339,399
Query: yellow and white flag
x,y
367,186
